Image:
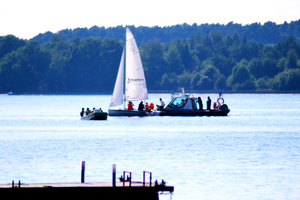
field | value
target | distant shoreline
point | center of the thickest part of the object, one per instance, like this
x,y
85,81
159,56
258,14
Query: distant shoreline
x,y
174,92
228,92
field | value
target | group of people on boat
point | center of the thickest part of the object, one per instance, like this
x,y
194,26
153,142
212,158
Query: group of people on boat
x,y
88,111
208,102
147,107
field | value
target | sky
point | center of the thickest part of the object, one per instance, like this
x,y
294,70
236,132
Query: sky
x,y
27,18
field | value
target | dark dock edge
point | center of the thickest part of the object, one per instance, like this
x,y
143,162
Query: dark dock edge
x,y
134,193
126,188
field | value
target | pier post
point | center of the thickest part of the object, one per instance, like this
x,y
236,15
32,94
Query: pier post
x,y
144,178
129,178
82,171
114,175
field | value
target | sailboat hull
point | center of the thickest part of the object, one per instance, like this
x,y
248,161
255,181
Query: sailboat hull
x,y
121,112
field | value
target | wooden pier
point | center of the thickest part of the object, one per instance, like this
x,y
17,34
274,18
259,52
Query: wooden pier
x,y
123,189
98,190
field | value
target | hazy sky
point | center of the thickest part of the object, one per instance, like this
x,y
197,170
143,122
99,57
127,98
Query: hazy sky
x,y
27,18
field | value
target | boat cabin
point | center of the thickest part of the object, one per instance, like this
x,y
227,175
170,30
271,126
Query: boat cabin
x,y
184,102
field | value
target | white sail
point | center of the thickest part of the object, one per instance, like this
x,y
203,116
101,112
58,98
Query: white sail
x,y
117,98
135,86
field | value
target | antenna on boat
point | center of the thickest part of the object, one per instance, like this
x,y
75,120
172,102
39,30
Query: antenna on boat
x,y
182,91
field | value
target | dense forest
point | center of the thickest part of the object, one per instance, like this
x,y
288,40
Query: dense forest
x,y
227,59
267,33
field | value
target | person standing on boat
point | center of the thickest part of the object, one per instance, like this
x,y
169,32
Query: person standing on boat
x,y
141,106
162,104
208,103
220,94
200,103
82,112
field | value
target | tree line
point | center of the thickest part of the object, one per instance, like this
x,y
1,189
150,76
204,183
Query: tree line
x,y
267,33
203,61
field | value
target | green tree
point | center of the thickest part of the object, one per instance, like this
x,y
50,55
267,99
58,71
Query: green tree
x,y
195,81
256,67
241,79
153,61
284,46
173,58
287,80
220,83
184,80
224,64
264,83
25,69
291,59
10,43
169,82
186,57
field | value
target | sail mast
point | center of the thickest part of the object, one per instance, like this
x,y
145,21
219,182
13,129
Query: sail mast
x,y
124,86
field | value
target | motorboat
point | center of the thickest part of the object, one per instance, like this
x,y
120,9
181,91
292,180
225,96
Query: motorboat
x,y
188,105
96,114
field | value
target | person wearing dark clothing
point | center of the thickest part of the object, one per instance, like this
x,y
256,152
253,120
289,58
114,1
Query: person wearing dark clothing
x,y
220,94
141,106
82,112
88,111
200,103
208,103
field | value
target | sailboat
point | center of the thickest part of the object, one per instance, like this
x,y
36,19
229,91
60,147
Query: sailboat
x,y
130,83
131,86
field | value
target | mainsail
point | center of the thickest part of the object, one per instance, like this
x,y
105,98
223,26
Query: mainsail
x,y
135,86
135,82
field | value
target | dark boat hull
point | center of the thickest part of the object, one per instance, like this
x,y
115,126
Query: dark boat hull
x,y
223,110
194,113
128,113
95,116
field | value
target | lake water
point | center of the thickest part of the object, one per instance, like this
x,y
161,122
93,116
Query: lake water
x,y
253,153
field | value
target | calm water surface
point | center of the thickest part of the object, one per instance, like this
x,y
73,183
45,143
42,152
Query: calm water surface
x,y
254,153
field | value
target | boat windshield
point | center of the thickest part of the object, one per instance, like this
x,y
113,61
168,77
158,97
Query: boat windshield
x,y
178,102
